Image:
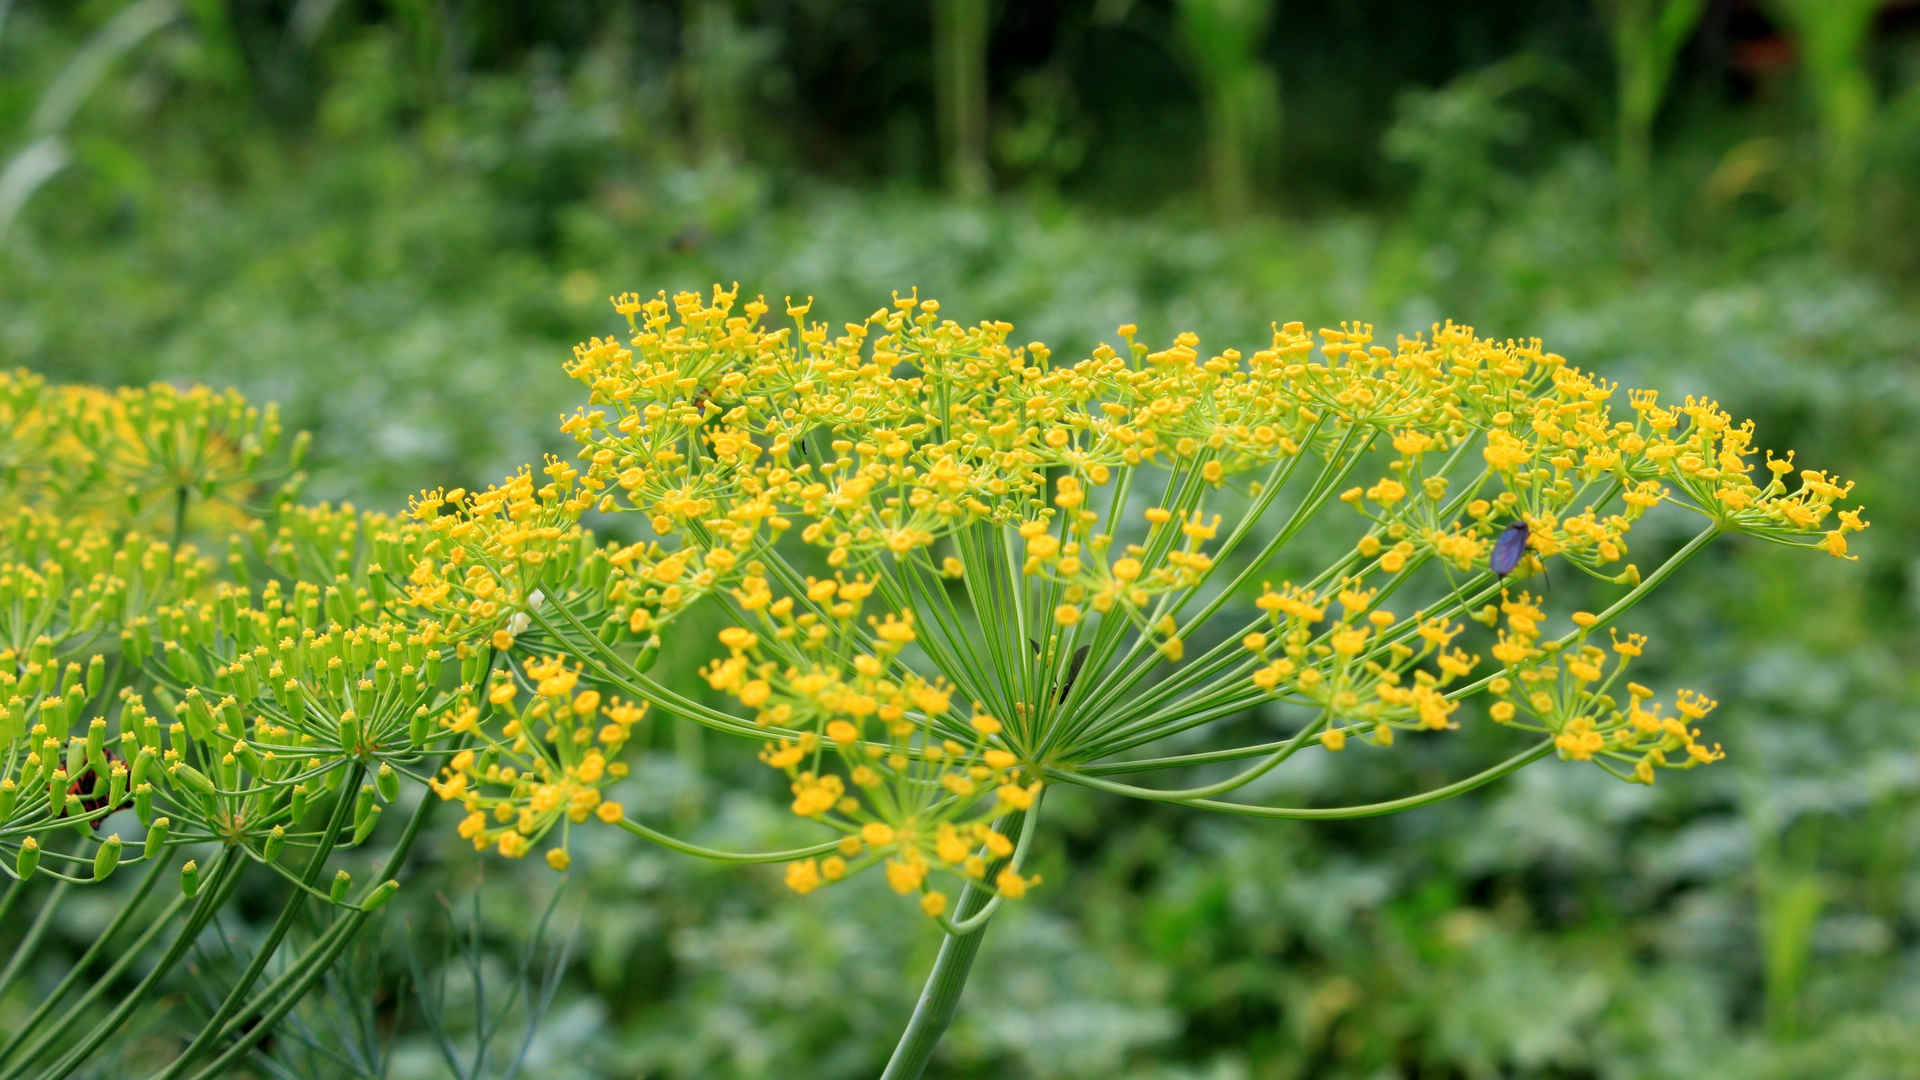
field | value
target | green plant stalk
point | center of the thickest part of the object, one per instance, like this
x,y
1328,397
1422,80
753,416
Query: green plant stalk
x,y
281,995
100,941
940,997
960,89
342,812
284,993
32,938
213,894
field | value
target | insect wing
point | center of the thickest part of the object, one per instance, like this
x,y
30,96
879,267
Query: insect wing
x,y
1509,548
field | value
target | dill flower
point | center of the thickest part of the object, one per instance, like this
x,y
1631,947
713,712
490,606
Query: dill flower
x,y
953,569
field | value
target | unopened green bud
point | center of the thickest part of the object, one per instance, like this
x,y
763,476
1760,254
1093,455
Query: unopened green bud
x,y
342,881
9,794
189,878
297,802
350,732
418,728
249,757
143,765
106,858
387,781
96,675
156,837
381,893
28,860
276,840
363,824
143,803
191,778
97,744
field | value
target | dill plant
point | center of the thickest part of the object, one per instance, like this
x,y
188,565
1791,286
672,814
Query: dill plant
x,y
953,572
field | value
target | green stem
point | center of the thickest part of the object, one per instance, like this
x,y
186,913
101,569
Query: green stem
x,y
940,997
34,932
342,812
212,896
100,942
1305,813
284,993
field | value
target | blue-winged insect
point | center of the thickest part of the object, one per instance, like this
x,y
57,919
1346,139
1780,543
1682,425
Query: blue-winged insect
x,y
1510,548
1510,552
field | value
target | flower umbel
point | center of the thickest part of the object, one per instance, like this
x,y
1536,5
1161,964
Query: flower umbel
x,y
897,515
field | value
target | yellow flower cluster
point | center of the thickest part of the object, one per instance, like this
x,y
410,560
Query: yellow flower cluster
x,y
534,768
132,455
1362,671
889,515
483,555
1565,690
913,787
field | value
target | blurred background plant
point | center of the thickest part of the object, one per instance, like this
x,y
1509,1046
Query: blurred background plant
x,y
393,218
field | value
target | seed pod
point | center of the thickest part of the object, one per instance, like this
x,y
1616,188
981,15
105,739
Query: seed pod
x,y
381,893
250,758
28,860
193,779
297,802
96,674
189,878
364,823
350,732
387,782
156,837
106,858
143,803
276,841
143,764
418,728
9,794
342,881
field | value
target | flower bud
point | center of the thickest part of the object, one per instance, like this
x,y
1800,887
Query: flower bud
x,y
96,674
350,732
143,803
276,841
28,860
363,823
156,837
106,858
387,782
342,881
191,778
189,878
9,794
381,893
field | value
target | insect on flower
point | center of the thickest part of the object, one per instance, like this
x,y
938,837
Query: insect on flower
x,y
1073,669
1509,549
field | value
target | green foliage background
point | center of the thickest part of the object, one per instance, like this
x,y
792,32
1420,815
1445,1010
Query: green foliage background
x,y
395,218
